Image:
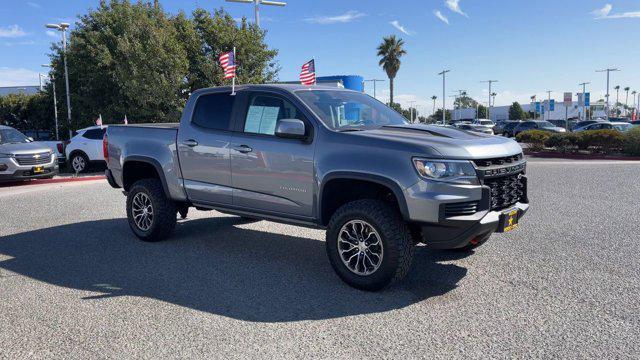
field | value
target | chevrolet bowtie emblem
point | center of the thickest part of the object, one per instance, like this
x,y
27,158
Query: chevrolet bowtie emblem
x,y
36,156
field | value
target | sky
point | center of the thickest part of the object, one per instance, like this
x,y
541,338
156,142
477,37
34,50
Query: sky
x,y
528,46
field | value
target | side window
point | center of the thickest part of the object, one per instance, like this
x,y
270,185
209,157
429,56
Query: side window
x,y
94,134
264,111
213,111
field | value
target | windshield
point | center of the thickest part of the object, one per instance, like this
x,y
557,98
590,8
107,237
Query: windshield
x,y
9,136
347,110
546,124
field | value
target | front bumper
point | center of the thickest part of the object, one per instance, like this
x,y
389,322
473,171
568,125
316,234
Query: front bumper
x,y
460,231
427,207
12,171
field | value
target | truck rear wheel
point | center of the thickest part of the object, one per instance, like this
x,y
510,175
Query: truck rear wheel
x,y
151,215
369,245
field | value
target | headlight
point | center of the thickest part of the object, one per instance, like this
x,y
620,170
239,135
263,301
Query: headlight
x,y
455,171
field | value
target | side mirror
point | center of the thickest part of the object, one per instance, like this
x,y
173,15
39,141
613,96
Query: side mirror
x,y
290,129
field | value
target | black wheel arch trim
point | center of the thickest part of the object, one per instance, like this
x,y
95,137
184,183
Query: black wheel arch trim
x,y
381,180
151,161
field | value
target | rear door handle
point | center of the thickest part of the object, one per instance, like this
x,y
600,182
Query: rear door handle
x,y
190,143
243,149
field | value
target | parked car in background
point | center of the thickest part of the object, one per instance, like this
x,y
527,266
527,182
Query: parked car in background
x,y
46,137
85,148
635,123
484,123
580,124
537,125
498,129
23,159
620,126
474,128
509,128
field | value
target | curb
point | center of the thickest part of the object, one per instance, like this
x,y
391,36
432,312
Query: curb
x,y
53,181
553,155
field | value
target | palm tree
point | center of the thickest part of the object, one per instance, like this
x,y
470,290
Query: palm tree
x,y
434,104
390,51
617,88
626,100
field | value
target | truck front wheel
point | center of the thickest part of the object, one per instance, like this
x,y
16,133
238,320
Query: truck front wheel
x,y
369,245
151,215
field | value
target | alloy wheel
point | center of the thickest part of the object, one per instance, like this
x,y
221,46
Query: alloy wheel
x,y
142,210
360,247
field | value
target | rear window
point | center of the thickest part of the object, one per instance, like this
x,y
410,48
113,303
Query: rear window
x,y
213,111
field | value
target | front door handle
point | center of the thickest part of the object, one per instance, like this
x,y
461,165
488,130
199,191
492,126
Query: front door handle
x,y
190,143
243,149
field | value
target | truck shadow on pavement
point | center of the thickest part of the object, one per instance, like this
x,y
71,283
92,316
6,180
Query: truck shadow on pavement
x,y
217,266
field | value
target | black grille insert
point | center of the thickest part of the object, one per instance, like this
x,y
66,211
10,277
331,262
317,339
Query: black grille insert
x,y
505,191
33,159
461,209
498,161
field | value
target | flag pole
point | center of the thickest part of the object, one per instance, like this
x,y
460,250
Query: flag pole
x,y
233,80
315,78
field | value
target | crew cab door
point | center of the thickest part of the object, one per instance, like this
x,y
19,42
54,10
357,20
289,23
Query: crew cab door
x,y
203,148
269,173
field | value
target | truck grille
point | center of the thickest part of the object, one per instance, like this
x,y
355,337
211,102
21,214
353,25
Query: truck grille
x,y
461,209
33,159
505,191
498,161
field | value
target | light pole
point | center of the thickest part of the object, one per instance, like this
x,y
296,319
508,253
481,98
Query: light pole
x,y
257,4
489,108
548,105
62,27
634,100
584,103
40,76
533,106
374,81
411,107
444,96
608,71
55,101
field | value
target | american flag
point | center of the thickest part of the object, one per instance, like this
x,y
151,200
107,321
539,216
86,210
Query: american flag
x,y
308,73
228,63
99,120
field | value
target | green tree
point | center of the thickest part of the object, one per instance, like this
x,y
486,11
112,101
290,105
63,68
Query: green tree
x,y
437,117
390,52
482,112
465,101
136,60
516,112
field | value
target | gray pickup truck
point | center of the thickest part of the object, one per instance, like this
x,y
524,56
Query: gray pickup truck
x,y
326,158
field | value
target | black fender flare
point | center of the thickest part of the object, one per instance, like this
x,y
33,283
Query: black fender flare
x,y
151,161
381,180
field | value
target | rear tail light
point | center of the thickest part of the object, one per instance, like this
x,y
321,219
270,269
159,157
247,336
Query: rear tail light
x,y
105,147
60,148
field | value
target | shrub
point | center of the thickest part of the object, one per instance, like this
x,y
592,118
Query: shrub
x,y
632,141
563,141
603,140
535,138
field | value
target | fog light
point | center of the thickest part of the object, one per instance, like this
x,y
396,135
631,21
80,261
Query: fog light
x,y
3,167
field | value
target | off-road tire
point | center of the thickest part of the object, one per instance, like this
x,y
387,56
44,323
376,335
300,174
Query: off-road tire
x,y
396,239
164,219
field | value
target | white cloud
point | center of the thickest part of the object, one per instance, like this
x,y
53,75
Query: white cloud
x,y
52,34
439,15
14,43
605,13
12,31
18,77
34,5
401,28
454,5
347,17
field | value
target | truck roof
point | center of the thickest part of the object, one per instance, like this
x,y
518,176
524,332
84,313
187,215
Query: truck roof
x,y
285,87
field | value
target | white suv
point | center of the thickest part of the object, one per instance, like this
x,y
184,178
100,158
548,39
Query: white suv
x,y
85,147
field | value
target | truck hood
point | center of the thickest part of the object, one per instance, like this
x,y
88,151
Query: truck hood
x,y
23,148
448,142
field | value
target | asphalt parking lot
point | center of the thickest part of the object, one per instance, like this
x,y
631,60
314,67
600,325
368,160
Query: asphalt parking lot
x,y
74,283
